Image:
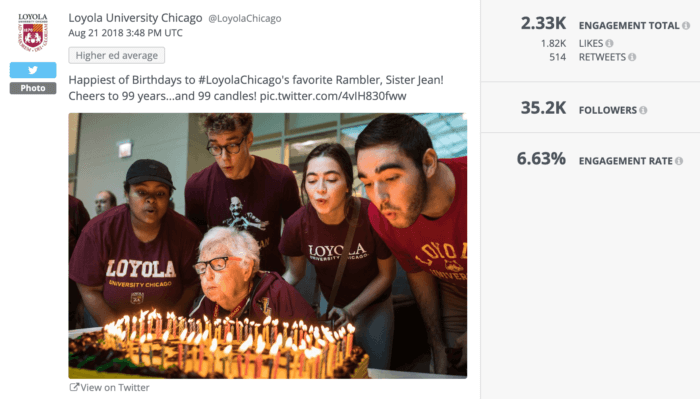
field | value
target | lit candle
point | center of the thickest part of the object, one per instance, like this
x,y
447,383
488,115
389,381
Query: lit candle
x,y
302,349
141,341
126,324
239,337
288,352
303,332
190,338
131,341
150,323
171,325
244,350
199,341
331,355
296,333
133,327
274,351
285,325
274,329
199,326
179,349
159,326
227,359
149,338
266,329
245,329
317,336
162,348
141,327
227,326
181,323
322,370
258,358
212,358
217,323
351,334
257,331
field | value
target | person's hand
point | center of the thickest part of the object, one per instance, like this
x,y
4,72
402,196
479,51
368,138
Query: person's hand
x,y
462,342
343,316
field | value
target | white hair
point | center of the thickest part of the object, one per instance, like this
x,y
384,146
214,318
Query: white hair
x,y
235,242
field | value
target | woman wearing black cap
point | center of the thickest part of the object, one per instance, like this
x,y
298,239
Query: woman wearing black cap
x,y
137,256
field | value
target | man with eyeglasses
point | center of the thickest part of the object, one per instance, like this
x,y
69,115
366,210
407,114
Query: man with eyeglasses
x,y
139,255
234,287
241,190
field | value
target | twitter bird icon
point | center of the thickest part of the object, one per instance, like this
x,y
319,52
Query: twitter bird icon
x,y
32,70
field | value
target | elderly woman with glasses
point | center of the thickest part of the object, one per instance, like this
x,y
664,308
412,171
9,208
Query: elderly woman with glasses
x,y
233,285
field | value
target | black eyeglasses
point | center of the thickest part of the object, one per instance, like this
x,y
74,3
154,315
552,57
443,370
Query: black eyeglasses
x,y
232,149
216,264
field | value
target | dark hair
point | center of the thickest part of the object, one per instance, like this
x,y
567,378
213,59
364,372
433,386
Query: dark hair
x,y
409,134
216,123
112,198
339,154
127,187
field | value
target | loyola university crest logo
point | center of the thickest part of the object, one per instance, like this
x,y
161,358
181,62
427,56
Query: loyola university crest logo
x,y
33,32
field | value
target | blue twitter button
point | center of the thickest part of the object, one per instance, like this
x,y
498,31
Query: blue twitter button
x,y
32,70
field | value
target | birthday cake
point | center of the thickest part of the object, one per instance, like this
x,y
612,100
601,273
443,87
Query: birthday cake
x,y
187,348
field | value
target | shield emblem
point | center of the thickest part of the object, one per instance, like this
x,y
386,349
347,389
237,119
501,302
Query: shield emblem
x,y
136,298
33,34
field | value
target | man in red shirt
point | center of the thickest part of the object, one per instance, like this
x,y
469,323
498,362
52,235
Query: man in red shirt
x,y
419,208
242,190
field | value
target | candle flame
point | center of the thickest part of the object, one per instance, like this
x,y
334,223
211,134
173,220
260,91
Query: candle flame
x,y
143,339
267,320
303,327
322,343
278,341
342,331
133,320
165,336
351,328
275,322
261,344
228,349
316,334
213,346
143,313
133,335
206,335
183,335
190,337
245,321
273,350
295,325
302,345
206,320
149,337
217,322
336,336
308,338
289,343
198,339
247,344
229,337
285,324
294,348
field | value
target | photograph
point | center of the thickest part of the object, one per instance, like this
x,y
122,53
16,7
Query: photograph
x,y
267,245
